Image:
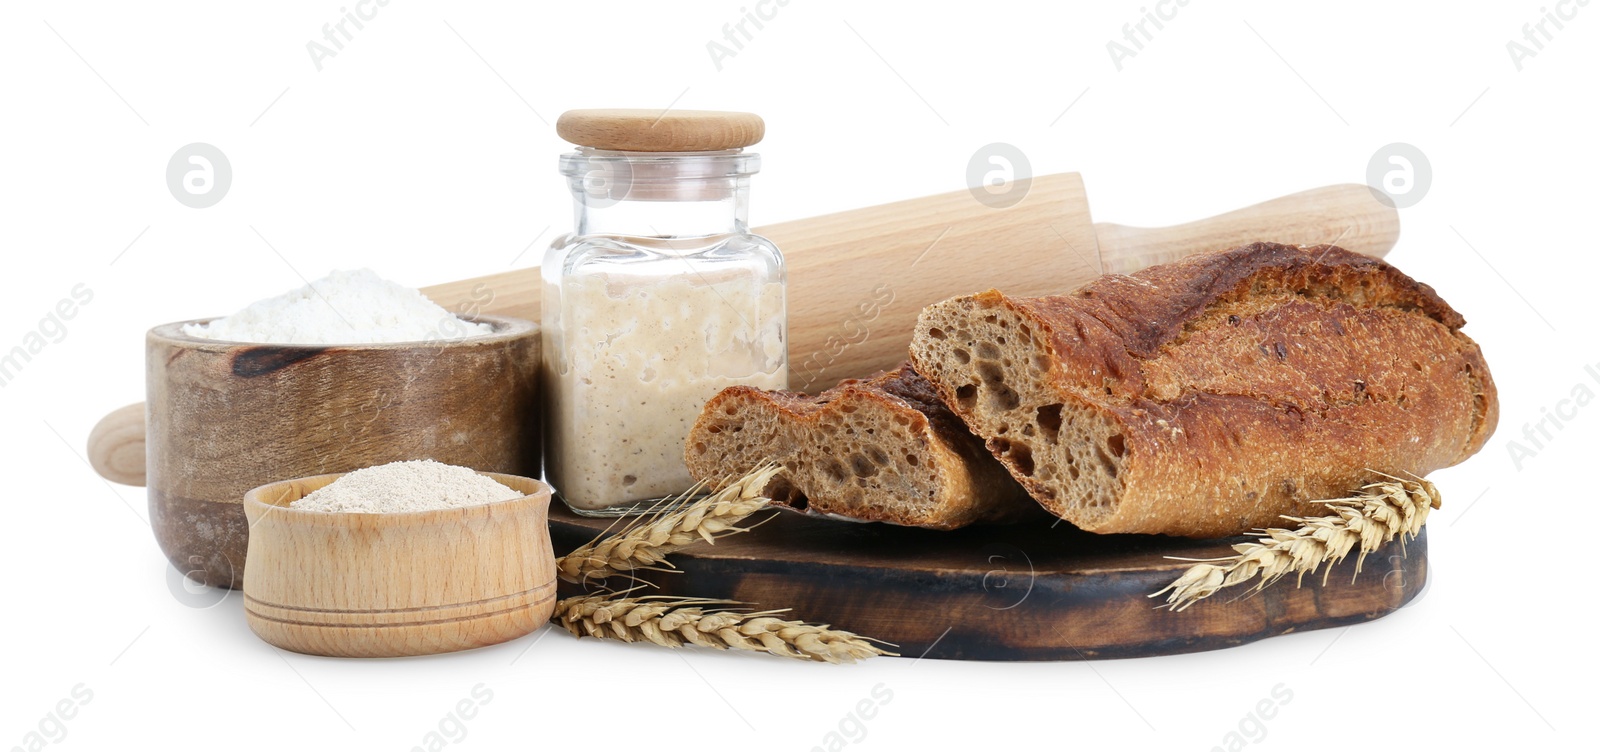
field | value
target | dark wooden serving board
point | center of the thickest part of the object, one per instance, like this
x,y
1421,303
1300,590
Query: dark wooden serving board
x,y
1022,593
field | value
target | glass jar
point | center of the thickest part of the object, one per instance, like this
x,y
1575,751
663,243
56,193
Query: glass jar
x,y
659,299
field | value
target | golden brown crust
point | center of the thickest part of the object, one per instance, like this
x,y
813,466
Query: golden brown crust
x,y
882,449
1228,388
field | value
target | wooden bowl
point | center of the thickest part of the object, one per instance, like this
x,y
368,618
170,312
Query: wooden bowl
x,y
225,417
368,585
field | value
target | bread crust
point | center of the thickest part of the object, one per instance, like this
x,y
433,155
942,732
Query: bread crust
x,y
1226,389
835,468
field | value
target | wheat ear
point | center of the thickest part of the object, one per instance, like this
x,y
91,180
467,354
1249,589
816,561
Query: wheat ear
x,y
671,622
645,543
1375,515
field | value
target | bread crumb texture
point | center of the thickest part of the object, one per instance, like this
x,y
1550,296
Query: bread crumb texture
x,y
883,449
1209,396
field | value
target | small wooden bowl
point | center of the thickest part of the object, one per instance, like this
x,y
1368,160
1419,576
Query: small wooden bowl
x,y
367,585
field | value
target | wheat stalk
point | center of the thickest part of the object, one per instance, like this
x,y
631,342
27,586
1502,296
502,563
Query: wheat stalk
x,y
645,543
671,622
1375,515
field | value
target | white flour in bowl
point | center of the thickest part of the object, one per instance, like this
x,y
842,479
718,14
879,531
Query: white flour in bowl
x,y
410,486
343,308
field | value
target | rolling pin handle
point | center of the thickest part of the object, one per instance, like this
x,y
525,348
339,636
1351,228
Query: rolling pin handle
x,y
1350,215
116,446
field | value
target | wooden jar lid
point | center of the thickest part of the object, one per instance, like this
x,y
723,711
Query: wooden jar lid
x,y
652,130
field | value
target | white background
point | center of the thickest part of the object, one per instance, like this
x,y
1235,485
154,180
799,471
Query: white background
x,y
425,150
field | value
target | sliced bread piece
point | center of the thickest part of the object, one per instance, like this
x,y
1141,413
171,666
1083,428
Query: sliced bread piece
x,y
1213,395
883,449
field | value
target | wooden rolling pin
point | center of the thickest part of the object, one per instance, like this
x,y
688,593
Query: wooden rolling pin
x,y
857,279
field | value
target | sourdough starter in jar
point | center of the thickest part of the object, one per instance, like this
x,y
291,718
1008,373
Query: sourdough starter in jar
x,y
660,298
640,359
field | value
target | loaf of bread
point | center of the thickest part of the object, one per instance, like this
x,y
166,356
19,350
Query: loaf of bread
x,y
1210,396
883,449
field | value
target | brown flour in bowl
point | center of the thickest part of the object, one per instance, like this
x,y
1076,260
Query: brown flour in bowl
x,y
409,486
